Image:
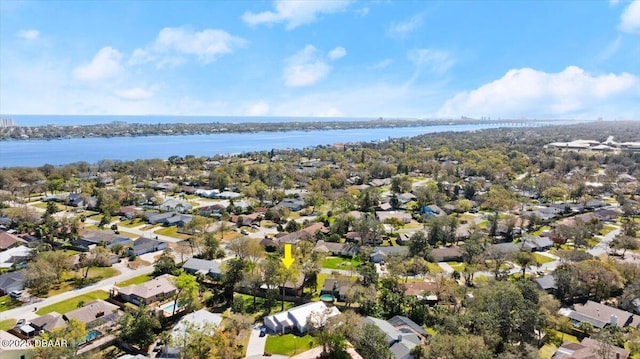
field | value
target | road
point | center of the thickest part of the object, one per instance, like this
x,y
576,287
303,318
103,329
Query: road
x,y
255,348
603,246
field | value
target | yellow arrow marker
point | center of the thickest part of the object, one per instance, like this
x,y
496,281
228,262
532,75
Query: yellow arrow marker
x,y
287,260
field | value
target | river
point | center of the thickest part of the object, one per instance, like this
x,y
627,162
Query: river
x,y
33,153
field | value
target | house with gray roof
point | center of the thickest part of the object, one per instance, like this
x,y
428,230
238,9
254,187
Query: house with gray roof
x,y
380,253
547,283
211,268
95,313
48,322
171,205
11,281
401,344
144,245
159,288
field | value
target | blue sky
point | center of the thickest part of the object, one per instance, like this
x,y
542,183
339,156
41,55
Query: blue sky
x,y
498,59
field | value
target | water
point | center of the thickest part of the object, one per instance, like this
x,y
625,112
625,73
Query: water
x,y
92,334
169,308
57,152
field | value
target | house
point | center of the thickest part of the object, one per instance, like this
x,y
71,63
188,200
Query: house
x,y
385,206
210,268
336,249
15,255
336,287
293,204
406,325
80,200
537,244
300,318
547,283
380,253
48,322
169,219
157,289
400,343
94,313
197,320
128,212
447,254
208,193
421,291
144,245
432,211
174,205
10,350
596,312
92,238
8,240
407,197
229,195
401,216
314,228
505,248
403,238
11,281
588,349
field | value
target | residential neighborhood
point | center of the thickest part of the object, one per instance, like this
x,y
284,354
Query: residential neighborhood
x,y
438,246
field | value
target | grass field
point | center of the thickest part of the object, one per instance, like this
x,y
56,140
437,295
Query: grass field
x,y
457,266
70,279
547,351
289,344
606,229
171,232
542,259
7,324
540,230
434,268
72,303
136,222
340,263
136,280
6,303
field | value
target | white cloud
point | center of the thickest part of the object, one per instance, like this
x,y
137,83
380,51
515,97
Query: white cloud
x,y
610,50
172,45
295,13
29,34
305,68
260,108
104,65
431,61
381,64
337,53
528,92
404,28
136,93
630,18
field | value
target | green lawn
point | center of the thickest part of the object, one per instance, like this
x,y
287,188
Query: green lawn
x,y
136,280
606,229
542,259
540,230
289,344
434,268
136,222
72,303
547,351
7,324
340,263
171,232
6,303
71,279
42,205
457,266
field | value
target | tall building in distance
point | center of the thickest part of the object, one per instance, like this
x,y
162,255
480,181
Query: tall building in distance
x,y
7,122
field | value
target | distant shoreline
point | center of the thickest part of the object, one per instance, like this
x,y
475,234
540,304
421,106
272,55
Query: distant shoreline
x,y
126,129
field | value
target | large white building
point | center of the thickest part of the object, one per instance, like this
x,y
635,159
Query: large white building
x,y
301,318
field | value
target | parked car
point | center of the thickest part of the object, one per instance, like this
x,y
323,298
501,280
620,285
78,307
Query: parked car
x,y
244,231
20,323
263,331
16,294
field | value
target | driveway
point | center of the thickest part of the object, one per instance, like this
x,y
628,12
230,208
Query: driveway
x,y
603,246
255,348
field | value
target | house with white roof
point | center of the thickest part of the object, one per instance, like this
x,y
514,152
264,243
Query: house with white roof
x,y
300,318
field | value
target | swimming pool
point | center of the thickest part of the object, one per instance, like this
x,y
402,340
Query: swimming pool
x,y
169,308
92,334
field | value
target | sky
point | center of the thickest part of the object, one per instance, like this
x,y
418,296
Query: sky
x,y
340,58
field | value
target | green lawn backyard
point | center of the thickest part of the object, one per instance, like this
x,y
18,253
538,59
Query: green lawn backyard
x,y
289,344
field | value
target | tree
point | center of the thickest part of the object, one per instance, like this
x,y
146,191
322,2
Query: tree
x,y
246,248
59,261
419,245
197,340
187,292
499,199
456,347
165,264
233,274
524,259
370,342
139,328
368,274
39,276
624,242
73,334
